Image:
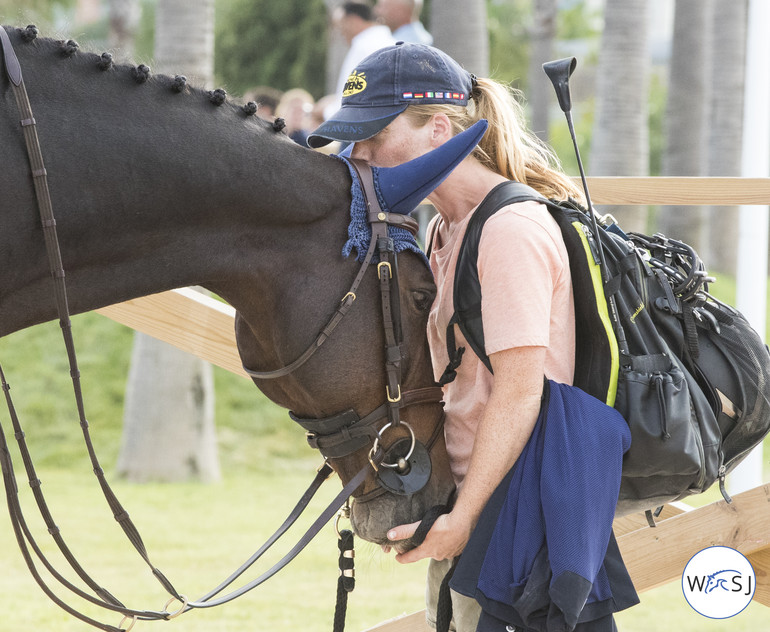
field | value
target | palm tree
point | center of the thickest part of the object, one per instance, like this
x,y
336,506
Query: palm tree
x,y
539,92
620,138
725,125
169,431
124,18
335,50
686,113
459,28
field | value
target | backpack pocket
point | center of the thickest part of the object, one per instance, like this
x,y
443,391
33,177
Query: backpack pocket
x,y
654,398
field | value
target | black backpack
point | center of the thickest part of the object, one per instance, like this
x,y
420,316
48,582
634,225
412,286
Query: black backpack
x,y
686,371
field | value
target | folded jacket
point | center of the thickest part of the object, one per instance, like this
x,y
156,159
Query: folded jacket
x,y
543,556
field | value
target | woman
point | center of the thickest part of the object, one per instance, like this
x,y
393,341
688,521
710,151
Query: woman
x,y
402,102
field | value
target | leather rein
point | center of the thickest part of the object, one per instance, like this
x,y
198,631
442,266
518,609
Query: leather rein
x,y
335,436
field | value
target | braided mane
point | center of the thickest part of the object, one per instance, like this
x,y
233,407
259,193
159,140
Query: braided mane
x,y
69,50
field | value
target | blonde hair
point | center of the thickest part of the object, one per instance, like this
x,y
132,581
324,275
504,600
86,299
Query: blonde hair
x,y
508,147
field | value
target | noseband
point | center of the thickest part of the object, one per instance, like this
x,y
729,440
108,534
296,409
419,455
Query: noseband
x,y
405,467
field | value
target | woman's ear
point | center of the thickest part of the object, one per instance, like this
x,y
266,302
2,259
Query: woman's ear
x,y
442,129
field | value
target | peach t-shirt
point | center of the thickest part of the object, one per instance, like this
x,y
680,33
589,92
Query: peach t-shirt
x,y
526,293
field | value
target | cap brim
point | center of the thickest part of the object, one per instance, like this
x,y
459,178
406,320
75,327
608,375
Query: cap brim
x,y
351,124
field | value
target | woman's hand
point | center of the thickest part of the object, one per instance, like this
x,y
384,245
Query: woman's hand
x,y
445,540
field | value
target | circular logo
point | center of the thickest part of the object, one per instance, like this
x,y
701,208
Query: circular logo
x,y
356,83
718,582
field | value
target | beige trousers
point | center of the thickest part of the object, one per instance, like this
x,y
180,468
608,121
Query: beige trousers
x,y
465,611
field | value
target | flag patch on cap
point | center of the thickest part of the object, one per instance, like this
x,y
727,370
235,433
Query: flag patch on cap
x,y
433,95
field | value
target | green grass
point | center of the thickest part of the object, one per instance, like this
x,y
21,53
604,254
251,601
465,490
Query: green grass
x,y
197,534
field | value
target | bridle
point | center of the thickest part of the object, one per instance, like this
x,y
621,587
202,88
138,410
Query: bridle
x,y
405,467
336,436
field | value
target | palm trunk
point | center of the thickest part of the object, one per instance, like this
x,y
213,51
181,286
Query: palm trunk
x,y
169,432
620,139
539,92
124,18
459,28
726,125
686,115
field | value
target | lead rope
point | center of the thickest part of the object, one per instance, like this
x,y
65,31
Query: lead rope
x,y
346,581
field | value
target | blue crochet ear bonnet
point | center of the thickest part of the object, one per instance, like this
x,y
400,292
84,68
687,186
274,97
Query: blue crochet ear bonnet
x,y
400,189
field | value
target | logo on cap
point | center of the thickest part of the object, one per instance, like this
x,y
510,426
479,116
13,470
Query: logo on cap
x,y
356,83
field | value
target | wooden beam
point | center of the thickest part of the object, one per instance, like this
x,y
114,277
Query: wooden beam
x,y
761,563
679,191
186,319
632,522
657,556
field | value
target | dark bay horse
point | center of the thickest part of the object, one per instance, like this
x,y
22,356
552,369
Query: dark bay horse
x,y
155,186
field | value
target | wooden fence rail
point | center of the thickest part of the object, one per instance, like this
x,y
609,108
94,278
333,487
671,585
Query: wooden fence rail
x,y
680,191
204,326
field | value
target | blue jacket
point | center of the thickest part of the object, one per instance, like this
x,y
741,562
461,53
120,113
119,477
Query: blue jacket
x,y
543,556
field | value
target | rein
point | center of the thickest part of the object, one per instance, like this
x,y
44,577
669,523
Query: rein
x,y
339,435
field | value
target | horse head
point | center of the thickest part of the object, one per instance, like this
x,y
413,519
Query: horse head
x,y
348,411
156,184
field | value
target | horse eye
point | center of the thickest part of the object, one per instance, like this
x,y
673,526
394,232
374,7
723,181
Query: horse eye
x,y
423,299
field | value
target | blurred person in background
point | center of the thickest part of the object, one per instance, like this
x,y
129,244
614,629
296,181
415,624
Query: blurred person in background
x,y
356,22
402,17
317,116
294,108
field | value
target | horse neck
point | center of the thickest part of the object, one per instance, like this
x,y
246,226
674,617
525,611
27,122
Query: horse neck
x,y
151,189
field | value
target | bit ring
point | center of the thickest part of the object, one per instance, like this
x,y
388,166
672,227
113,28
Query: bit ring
x,y
377,442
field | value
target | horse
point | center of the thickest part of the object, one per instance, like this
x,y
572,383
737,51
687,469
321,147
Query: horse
x,y
159,185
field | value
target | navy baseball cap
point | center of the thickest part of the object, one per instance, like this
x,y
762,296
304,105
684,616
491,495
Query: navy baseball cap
x,y
388,81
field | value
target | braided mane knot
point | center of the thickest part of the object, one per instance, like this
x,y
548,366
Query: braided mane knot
x,y
180,81
218,96
30,33
250,108
140,73
69,48
105,61
278,124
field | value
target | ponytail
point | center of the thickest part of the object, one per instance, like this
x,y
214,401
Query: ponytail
x,y
508,147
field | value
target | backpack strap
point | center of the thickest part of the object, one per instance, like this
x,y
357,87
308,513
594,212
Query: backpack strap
x,y
467,286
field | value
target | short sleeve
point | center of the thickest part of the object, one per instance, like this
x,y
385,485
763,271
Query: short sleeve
x,y
520,264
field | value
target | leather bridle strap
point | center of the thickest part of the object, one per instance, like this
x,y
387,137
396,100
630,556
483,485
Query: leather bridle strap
x,y
379,222
45,207
387,273
24,535
342,434
107,601
345,304
340,499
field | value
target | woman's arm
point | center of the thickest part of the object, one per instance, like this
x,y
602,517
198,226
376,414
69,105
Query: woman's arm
x,y
507,423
